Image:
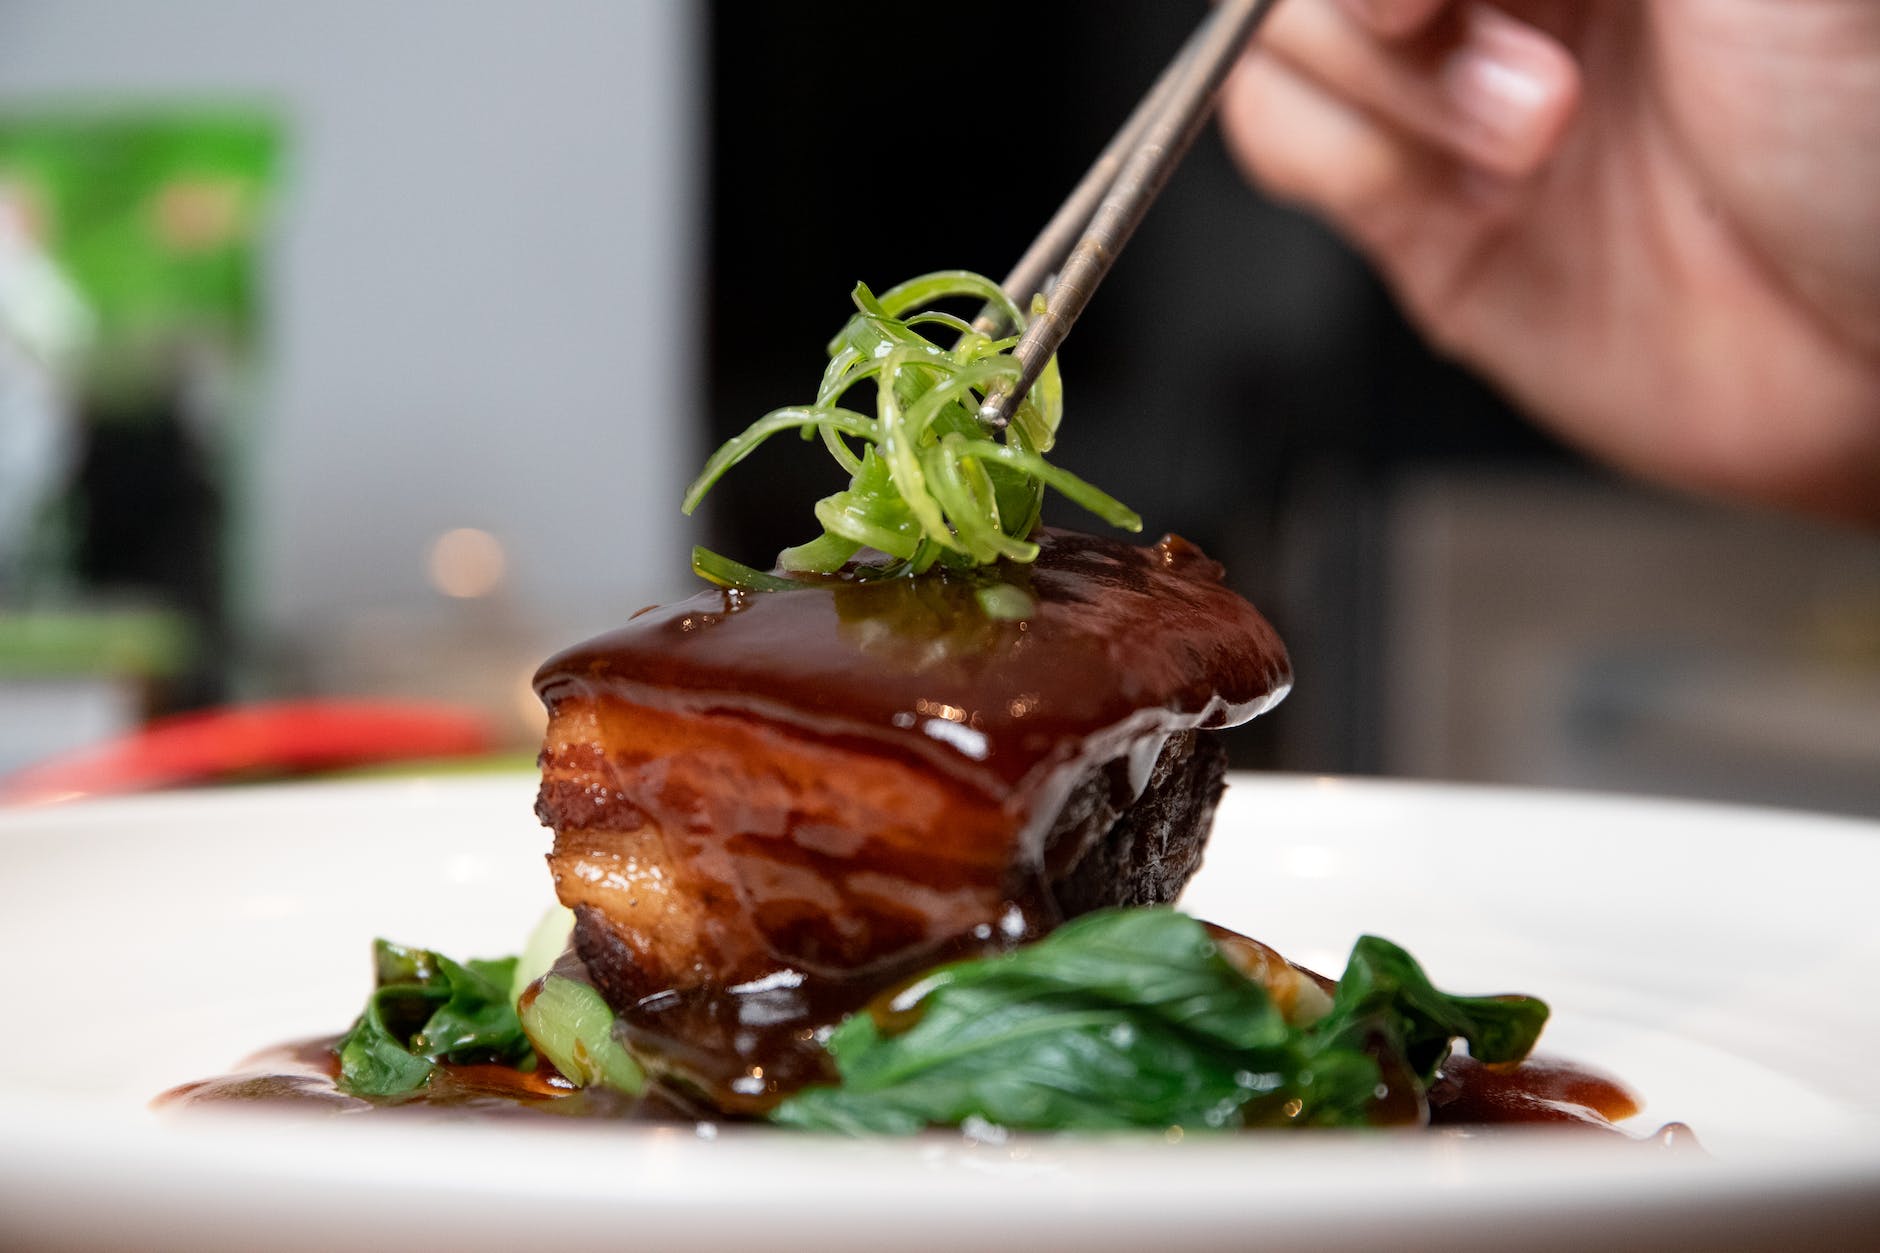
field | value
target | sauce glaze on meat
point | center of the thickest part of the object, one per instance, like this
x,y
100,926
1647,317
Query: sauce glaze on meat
x,y
769,806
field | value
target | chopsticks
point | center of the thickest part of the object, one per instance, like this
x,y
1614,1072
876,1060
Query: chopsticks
x,y
1083,238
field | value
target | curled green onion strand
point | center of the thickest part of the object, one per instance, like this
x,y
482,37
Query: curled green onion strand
x,y
725,572
927,482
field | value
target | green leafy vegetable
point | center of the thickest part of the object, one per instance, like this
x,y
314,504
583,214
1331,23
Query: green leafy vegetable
x,y
1385,994
1124,1018
570,1024
426,1008
543,949
1132,1018
725,572
927,484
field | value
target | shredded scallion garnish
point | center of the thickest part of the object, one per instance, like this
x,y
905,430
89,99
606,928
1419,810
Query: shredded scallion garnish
x,y
927,482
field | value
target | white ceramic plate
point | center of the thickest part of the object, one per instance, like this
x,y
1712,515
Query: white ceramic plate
x,y
1722,961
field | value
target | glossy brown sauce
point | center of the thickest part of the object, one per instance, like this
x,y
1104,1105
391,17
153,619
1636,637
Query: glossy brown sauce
x,y
1123,641
1541,1089
304,1077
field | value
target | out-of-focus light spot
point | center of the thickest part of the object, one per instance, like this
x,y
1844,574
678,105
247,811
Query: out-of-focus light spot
x,y
466,563
199,214
940,709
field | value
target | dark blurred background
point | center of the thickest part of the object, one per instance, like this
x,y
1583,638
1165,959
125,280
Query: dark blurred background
x,y
519,269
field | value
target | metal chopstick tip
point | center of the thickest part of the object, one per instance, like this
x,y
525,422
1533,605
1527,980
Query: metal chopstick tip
x,y
992,413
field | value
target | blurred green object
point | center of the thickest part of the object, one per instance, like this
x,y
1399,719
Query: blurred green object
x,y
156,214
141,643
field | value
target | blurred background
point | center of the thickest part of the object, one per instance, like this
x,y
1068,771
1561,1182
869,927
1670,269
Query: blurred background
x,y
363,349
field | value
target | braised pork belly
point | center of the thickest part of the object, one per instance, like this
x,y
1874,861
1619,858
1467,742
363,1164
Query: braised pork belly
x,y
770,806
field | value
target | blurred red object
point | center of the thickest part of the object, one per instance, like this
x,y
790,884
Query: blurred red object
x,y
277,738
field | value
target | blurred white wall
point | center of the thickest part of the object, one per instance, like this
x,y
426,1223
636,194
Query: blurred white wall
x,y
483,301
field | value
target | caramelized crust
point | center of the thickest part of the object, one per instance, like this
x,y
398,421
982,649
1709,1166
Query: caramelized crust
x,y
719,849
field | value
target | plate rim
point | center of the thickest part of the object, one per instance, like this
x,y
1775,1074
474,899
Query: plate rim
x,y
1837,1173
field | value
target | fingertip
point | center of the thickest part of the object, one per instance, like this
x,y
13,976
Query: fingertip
x,y
1514,87
1237,112
1307,147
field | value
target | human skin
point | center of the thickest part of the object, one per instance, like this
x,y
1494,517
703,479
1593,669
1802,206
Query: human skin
x,y
1655,225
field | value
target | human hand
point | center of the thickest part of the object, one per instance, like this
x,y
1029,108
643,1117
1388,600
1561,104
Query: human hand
x,y
1656,225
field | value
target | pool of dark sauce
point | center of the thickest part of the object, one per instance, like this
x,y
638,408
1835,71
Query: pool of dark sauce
x,y
304,1077
1469,1098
